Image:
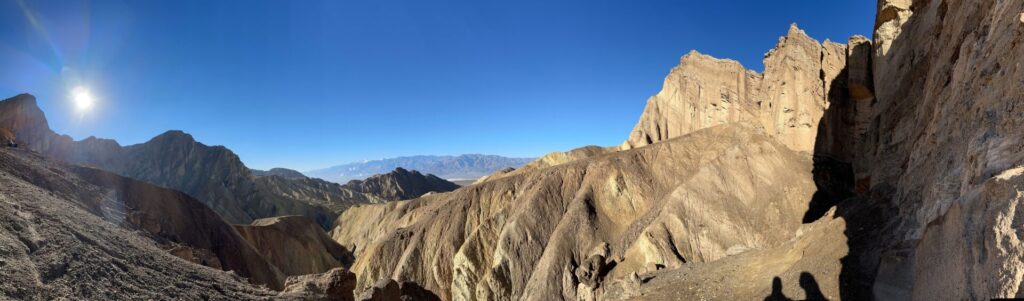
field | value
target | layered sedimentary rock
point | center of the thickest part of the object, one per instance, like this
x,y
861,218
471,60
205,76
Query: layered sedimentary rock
x,y
68,232
947,149
295,245
802,80
697,198
400,184
212,174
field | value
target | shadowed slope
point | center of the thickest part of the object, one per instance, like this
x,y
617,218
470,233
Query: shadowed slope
x,y
212,174
68,232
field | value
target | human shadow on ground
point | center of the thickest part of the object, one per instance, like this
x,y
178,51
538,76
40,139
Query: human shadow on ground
x,y
807,282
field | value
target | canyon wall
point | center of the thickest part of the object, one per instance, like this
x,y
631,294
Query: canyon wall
x,y
948,148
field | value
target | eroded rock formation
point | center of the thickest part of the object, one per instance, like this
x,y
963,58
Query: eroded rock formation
x,y
947,153
802,80
691,199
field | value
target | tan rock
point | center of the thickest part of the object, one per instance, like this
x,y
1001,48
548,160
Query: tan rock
x,y
336,284
802,79
947,78
382,290
295,245
508,238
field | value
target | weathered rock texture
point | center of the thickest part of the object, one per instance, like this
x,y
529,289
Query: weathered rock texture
x,y
802,79
334,285
401,184
70,233
212,174
719,165
948,149
693,199
295,245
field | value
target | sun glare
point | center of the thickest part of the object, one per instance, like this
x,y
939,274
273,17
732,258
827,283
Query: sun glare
x,y
83,100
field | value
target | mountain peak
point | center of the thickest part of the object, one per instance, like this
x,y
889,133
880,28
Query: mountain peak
x,y
401,184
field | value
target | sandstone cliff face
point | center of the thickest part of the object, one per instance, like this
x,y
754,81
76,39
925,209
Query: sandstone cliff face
x,y
69,232
295,245
400,184
697,198
947,148
212,174
802,79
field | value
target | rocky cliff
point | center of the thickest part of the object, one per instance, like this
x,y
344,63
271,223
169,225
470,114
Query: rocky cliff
x,y
401,184
802,80
946,151
212,174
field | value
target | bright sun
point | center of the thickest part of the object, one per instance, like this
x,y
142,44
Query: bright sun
x,y
83,100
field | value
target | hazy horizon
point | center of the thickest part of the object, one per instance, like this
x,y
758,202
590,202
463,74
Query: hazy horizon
x,y
315,84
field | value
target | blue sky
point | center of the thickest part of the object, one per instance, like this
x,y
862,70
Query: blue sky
x,y
308,84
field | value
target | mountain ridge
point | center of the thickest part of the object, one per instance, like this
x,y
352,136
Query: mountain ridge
x,y
401,184
174,159
450,167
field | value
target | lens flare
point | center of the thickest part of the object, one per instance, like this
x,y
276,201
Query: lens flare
x,y
83,100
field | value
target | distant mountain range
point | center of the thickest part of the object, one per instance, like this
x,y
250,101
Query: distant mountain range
x,y
462,167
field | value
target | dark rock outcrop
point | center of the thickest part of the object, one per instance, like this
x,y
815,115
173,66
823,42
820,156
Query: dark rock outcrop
x,y
401,184
280,172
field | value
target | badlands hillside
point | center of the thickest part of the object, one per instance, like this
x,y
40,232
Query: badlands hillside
x,y
887,168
